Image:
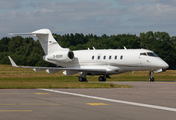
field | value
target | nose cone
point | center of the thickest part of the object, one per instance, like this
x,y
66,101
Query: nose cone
x,y
164,65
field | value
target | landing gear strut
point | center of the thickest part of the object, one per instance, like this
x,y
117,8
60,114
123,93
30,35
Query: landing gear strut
x,y
102,78
151,79
82,77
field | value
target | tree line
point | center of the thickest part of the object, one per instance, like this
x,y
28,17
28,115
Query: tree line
x,y
27,51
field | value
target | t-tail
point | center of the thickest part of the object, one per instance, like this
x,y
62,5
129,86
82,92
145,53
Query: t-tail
x,y
48,43
53,51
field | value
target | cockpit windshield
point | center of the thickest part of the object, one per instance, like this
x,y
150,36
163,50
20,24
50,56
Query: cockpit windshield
x,y
143,54
152,54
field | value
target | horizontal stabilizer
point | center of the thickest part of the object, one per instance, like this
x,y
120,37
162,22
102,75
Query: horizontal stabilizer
x,y
34,34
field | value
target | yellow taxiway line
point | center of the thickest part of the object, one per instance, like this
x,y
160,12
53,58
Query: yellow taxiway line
x,y
97,104
42,93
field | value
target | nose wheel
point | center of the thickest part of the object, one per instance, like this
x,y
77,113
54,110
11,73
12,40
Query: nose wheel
x,y
151,79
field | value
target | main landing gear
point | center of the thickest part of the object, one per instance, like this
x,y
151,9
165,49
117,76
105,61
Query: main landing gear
x,y
82,77
102,78
151,78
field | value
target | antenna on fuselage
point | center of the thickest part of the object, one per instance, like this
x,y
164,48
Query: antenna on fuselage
x,y
124,47
93,48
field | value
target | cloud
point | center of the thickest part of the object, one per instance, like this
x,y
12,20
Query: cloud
x,y
80,10
97,17
10,4
31,4
61,16
132,2
152,13
152,10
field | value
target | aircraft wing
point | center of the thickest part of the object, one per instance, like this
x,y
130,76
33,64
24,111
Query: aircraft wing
x,y
56,69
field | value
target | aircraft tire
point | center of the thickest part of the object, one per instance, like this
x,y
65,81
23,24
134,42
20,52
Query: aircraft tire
x,y
81,79
101,79
151,79
104,79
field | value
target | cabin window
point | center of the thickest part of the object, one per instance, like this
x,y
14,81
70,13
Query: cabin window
x,y
143,54
115,57
104,57
121,57
109,57
92,57
98,57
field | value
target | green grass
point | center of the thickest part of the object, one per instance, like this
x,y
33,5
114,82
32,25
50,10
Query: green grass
x,y
19,78
52,82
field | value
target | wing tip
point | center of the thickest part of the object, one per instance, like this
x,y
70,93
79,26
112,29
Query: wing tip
x,y
12,62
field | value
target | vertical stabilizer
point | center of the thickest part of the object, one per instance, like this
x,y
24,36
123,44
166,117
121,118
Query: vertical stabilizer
x,y
48,43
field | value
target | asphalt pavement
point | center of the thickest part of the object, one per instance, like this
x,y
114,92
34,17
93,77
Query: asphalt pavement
x,y
145,101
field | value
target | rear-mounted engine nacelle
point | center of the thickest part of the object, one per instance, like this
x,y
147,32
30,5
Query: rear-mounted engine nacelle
x,y
61,56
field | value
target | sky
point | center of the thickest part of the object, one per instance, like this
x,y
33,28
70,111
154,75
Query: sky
x,y
98,17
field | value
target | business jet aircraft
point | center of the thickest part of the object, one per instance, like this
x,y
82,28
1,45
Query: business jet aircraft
x,y
92,62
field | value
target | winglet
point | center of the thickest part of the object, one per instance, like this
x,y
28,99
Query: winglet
x,y
12,62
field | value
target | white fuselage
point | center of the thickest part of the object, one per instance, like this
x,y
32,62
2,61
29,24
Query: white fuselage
x,y
115,61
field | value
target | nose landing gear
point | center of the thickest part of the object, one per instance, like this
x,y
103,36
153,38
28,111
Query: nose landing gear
x,y
151,79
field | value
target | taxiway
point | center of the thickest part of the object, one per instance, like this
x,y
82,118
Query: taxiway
x,y
153,100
